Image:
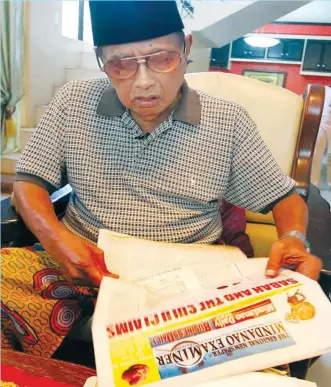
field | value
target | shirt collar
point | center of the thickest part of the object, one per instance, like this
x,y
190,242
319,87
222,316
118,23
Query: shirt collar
x,y
188,109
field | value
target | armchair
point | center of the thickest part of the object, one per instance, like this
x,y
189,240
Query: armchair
x,y
288,124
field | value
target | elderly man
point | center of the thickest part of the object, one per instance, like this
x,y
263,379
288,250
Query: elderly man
x,y
145,156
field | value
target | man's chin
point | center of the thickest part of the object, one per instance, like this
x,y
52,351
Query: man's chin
x,y
148,114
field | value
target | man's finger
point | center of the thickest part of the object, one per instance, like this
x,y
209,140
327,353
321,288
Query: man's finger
x,y
311,267
99,259
95,274
112,275
275,259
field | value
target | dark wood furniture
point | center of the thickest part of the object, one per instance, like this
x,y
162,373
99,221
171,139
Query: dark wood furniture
x,y
7,183
242,50
317,56
314,55
220,57
287,50
68,373
310,122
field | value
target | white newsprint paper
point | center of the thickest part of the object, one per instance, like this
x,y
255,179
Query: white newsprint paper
x,y
188,314
252,379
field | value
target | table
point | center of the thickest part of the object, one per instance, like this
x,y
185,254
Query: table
x,y
60,371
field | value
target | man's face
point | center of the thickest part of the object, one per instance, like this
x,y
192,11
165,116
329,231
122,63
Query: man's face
x,y
148,93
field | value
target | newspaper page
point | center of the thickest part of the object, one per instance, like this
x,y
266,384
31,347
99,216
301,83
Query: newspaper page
x,y
201,320
134,258
252,379
257,379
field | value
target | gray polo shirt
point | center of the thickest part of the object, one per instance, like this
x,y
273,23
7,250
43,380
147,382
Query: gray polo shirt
x,y
166,186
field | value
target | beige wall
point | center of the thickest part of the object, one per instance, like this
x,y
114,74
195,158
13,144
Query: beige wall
x,y
47,55
201,58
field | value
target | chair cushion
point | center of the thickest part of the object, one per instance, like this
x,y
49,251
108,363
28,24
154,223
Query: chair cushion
x,y
276,111
234,226
259,218
262,237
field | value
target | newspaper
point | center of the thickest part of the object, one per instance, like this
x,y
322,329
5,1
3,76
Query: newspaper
x,y
183,314
253,379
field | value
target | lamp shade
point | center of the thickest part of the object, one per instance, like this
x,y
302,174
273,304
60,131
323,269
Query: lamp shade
x,y
261,41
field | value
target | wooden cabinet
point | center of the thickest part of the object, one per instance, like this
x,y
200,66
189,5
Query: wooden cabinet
x,y
326,63
242,50
314,55
220,57
287,50
317,56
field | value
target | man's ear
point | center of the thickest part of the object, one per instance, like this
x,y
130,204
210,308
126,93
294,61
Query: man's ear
x,y
188,42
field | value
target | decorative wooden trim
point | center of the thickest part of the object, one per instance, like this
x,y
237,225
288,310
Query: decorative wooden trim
x,y
310,121
60,371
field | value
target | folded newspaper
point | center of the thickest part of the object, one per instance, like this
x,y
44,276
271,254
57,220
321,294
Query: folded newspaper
x,y
192,314
252,379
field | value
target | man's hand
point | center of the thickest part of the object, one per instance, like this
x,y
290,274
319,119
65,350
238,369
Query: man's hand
x,y
291,253
291,214
81,261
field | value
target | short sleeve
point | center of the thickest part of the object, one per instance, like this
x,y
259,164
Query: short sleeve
x,y
255,180
43,161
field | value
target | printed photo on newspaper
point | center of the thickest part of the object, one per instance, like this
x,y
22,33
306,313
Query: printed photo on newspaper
x,y
200,319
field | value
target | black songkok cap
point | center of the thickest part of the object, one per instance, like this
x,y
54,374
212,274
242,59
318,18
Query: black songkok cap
x,y
116,22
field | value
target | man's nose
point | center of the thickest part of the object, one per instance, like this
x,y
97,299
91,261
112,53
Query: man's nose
x,y
144,77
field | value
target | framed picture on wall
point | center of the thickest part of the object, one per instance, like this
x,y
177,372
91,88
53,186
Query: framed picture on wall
x,y
277,78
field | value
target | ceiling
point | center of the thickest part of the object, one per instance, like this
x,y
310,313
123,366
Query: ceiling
x,y
318,11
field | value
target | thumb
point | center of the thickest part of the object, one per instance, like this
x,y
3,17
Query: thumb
x,y
99,259
95,275
275,259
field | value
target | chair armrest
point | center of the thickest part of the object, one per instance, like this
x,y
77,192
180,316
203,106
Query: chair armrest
x,y
310,122
14,233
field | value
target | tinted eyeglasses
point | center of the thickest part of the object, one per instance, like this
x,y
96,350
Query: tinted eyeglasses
x,y
160,62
